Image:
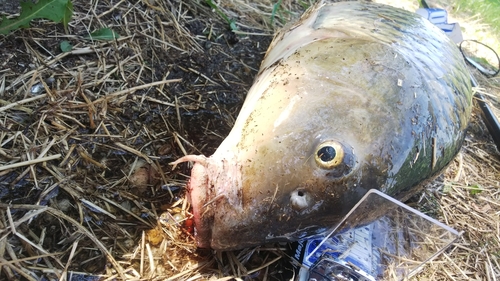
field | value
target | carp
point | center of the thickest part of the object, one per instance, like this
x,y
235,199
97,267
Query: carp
x,y
353,96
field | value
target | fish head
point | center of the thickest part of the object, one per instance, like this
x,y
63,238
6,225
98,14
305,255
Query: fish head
x,y
305,148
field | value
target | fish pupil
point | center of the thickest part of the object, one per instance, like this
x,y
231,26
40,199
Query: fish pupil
x,y
326,153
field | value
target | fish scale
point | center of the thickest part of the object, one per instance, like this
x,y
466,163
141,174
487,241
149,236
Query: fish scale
x,y
353,96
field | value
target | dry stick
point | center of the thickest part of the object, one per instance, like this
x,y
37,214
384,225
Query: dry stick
x,y
32,244
104,78
190,271
11,138
179,143
164,42
18,222
143,243
488,277
159,101
2,85
80,227
497,266
241,269
162,174
490,267
455,265
488,200
125,210
46,148
4,154
151,260
20,108
18,270
203,75
96,208
264,265
70,258
129,90
5,262
134,151
11,221
16,266
29,155
3,245
14,104
460,167
87,157
111,278
111,9
13,256
30,162
91,108
39,248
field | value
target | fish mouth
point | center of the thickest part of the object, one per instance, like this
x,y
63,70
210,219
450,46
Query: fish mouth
x,y
198,192
213,194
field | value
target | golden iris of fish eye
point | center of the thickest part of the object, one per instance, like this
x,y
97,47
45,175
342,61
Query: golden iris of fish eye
x,y
329,154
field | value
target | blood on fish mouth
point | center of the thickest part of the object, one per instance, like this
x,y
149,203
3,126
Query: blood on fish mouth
x,y
212,189
198,191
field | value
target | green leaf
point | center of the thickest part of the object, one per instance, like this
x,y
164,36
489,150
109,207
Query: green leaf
x,y
275,9
66,46
103,34
476,189
68,13
447,188
232,23
55,10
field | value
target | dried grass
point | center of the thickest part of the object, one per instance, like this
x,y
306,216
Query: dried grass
x,y
86,138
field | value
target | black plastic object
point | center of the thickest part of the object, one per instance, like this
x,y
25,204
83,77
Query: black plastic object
x,y
489,118
481,56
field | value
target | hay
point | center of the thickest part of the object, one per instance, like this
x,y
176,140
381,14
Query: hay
x,y
86,138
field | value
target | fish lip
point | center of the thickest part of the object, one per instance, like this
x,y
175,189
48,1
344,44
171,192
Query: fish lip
x,y
198,196
199,189
212,190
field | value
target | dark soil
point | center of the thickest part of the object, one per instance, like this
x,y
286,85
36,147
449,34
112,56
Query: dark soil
x,y
215,67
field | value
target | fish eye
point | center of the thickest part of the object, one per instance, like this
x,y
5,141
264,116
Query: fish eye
x,y
329,154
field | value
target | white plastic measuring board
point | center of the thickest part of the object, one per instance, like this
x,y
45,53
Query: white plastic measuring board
x,y
379,239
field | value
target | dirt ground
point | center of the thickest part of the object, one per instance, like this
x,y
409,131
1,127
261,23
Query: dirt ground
x,y
86,191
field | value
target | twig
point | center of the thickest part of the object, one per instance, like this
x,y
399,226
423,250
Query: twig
x,y
30,162
134,151
128,91
17,103
78,226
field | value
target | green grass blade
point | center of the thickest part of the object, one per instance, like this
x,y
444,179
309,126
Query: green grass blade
x,y
105,34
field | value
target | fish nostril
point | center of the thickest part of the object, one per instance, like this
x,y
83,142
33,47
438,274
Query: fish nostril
x,y
300,199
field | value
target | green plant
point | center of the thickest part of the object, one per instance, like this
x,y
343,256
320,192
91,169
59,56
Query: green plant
x,y
104,34
475,189
55,10
276,9
284,15
65,46
231,22
487,9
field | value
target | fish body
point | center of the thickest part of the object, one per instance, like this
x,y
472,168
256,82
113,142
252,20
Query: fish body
x,y
354,96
